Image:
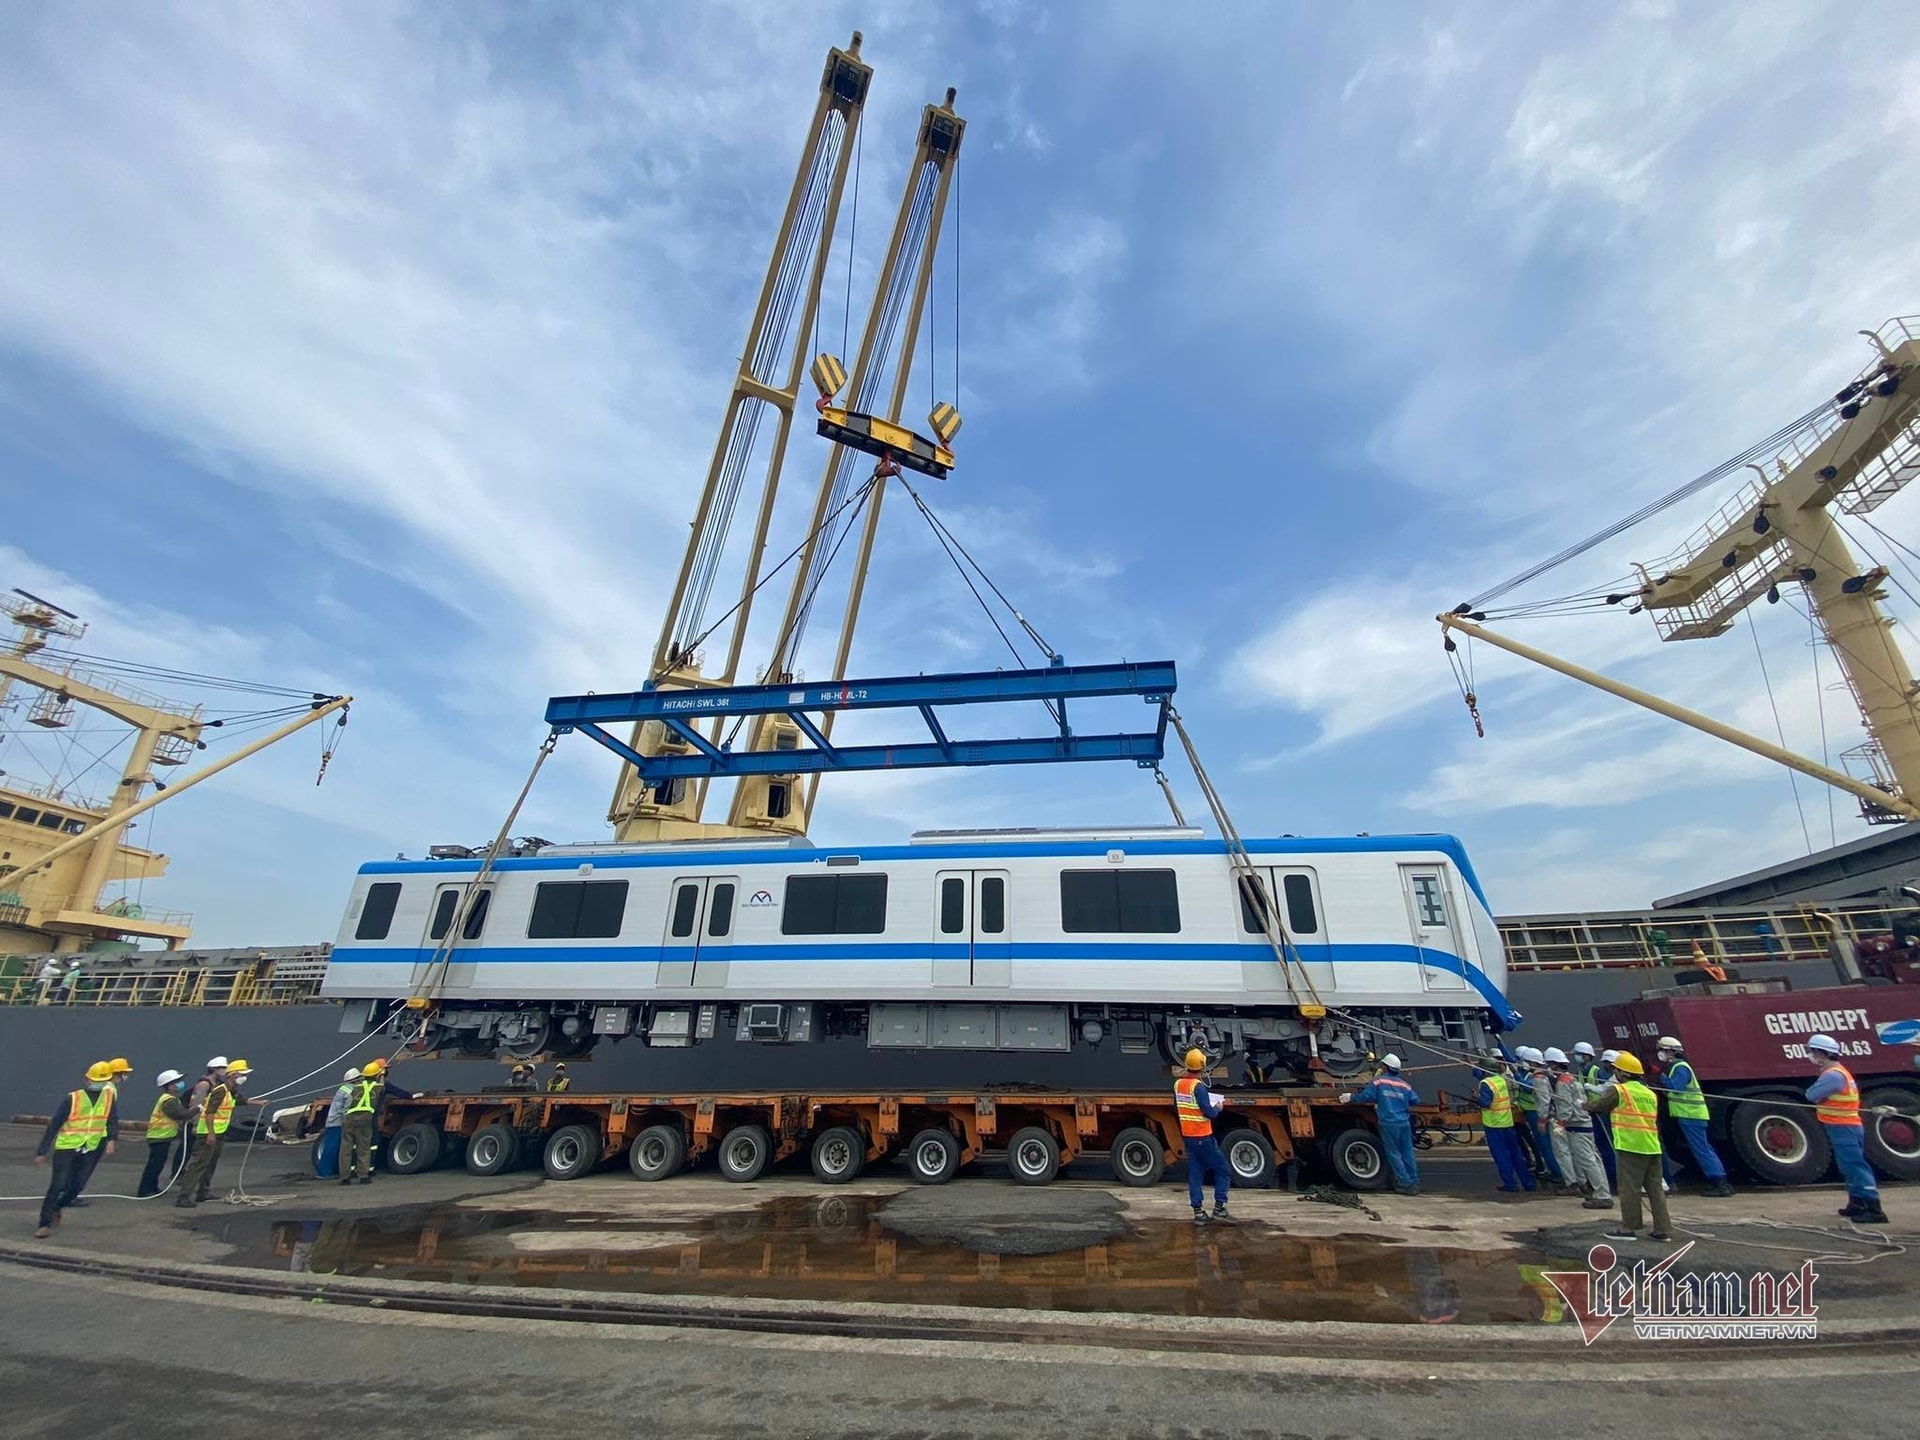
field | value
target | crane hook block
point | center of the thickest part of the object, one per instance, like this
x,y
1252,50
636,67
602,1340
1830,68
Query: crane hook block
x,y
829,375
945,421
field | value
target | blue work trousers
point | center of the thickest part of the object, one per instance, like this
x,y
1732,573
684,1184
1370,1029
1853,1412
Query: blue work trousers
x,y
328,1165
1537,1141
1205,1161
1603,1142
1850,1154
1508,1157
1396,1137
1702,1148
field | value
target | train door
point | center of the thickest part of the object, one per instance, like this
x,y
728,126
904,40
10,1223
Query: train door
x,y
971,944
1436,927
699,931
441,915
1303,920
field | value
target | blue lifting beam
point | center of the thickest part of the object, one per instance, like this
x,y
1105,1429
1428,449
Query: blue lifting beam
x,y
1153,681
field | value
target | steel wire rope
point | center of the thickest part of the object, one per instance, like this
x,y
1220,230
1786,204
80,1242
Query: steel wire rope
x,y
1817,643
1779,730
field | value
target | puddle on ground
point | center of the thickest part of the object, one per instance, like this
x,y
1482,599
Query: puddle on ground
x,y
837,1248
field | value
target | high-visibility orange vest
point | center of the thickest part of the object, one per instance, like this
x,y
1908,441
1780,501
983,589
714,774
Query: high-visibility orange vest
x,y
1844,1108
1193,1120
1636,1119
85,1127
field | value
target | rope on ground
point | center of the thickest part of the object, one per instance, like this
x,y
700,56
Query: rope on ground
x,y
1345,1199
1879,1246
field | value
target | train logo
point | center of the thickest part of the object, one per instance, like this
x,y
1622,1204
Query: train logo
x,y
760,900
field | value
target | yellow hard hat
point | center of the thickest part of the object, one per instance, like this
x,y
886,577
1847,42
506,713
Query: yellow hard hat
x,y
372,1067
120,1066
100,1072
1196,1059
239,1067
1628,1065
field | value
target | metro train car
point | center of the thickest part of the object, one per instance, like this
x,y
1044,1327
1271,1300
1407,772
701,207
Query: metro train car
x,y
1014,940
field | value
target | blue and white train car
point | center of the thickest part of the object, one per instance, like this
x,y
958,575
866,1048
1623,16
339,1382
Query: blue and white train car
x,y
1009,940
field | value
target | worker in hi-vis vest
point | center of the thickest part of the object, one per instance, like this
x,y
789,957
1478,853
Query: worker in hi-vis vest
x,y
164,1125
81,1126
1688,1107
210,1132
1636,1142
356,1131
1496,1123
1198,1106
1837,1094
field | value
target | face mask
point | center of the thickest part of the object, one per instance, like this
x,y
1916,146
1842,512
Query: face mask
x,y
93,1087
238,1081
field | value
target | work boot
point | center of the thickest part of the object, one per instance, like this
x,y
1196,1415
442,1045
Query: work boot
x,y
1659,1237
1850,1209
1221,1217
183,1203
347,1181
1618,1233
42,1233
366,1179
1200,1217
1719,1189
1870,1213
1594,1202
1509,1189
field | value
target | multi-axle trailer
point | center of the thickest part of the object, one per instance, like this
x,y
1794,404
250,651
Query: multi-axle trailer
x,y
1264,1133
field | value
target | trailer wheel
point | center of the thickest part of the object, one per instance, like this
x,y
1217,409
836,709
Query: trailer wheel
x,y
657,1152
933,1156
572,1151
744,1153
415,1146
1249,1159
839,1154
493,1149
1033,1156
1893,1141
1779,1142
1358,1160
1138,1158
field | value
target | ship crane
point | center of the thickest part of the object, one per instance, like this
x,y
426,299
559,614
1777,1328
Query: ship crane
x,y
1850,454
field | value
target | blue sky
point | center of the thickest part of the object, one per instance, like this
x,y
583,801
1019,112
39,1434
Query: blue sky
x,y
381,349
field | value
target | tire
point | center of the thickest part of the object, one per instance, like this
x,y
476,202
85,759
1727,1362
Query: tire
x,y
1249,1159
839,1154
1033,1156
1893,1141
657,1152
1359,1159
1137,1157
414,1147
571,1151
933,1156
493,1149
1780,1144
744,1153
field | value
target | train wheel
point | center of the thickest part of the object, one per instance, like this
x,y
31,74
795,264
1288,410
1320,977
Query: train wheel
x,y
1893,1141
572,1151
839,1154
657,1152
1249,1159
1358,1160
493,1149
414,1147
933,1156
1137,1157
1033,1156
745,1153
1777,1139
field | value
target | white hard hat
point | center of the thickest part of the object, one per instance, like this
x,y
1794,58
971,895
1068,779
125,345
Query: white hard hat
x,y
1531,1055
1609,1056
167,1077
1556,1056
353,1074
219,1062
1583,1048
1824,1043
1667,1042
1392,1062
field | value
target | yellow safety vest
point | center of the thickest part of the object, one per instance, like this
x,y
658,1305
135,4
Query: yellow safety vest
x,y
1686,1102
216,1111
361,1102
1499,1115
1844,1108
1523,1096
559,1085
160,1125
1636,1119
85,1127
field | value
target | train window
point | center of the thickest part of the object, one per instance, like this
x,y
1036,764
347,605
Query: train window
x,y
1119,902
1429,900
1253,905
477,916
720,910
1302,918
993,906
686,905
577,910
953,905
834,905
376,913
443,914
